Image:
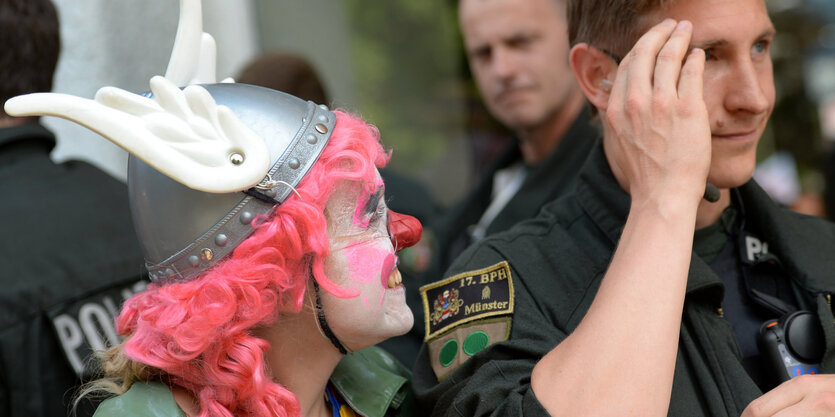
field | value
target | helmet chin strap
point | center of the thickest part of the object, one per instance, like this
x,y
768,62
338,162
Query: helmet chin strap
x,y
322,322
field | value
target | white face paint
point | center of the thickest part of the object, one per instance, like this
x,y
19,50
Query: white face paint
x,y
362,258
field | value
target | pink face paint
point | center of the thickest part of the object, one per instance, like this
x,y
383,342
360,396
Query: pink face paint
x,y
364,263
388,267
360,219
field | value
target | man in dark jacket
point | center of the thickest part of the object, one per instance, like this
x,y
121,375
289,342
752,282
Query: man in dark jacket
x,y
634,295
518,55
69,255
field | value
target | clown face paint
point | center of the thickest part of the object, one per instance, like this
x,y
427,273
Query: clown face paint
x,y
362,258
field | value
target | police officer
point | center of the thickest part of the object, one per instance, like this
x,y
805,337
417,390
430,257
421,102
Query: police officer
x,y
518,54
69,254
611,301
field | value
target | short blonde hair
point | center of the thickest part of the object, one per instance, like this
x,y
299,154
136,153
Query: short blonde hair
x,y
613,25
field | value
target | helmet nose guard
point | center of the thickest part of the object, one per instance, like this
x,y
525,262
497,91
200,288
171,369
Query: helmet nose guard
x,y
183,231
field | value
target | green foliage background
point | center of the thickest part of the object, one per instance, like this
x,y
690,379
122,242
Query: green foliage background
x,y
406,60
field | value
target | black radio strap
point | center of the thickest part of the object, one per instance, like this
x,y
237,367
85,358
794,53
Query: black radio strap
x,y
763,276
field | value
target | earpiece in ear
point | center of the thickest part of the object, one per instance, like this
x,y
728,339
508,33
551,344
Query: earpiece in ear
x,y
606,85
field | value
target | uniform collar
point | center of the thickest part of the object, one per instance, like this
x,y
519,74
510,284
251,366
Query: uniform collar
x,y
795,238
578,137
801,242
371,382
601,197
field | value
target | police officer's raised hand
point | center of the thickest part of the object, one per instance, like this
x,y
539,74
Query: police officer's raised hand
x,y
657,141
658,138
806,396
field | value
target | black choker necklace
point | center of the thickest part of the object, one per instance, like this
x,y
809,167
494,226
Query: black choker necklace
x,y
323,323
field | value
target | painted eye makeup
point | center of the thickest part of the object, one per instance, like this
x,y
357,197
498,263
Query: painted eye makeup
x,y
379,214
369,222
367,206
373,203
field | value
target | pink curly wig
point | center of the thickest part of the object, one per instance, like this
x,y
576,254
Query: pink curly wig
x,y
197,332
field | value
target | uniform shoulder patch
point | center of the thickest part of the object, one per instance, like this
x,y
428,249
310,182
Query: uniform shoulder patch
x,y
467,297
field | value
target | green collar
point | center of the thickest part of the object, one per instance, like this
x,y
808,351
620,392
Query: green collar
x,y
709,241
143,399
373,383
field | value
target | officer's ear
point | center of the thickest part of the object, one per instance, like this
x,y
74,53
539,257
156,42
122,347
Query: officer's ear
x,y
595,72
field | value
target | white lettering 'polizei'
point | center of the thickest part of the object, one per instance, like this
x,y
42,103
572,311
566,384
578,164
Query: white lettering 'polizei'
x,y
92,326
754,248
70,334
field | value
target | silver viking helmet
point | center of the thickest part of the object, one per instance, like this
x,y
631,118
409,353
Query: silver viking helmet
x,y
182,230
205,160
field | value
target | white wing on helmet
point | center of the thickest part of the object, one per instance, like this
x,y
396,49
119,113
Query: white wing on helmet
x,y
181,133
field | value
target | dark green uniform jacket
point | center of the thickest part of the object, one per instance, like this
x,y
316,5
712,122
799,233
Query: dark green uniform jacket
x,y
371,381
551,178
555,265
69,257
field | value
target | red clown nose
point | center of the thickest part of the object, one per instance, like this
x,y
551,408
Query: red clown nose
x,y
405,230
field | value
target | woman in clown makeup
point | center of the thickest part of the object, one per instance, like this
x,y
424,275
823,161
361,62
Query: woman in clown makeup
x,y
267,330
272,254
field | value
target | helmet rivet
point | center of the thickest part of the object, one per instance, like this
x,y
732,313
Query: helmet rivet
x,y
169,272
221,240
321,128
206,254
193,260
323,107
322,118
236,158
311,139
246,217
294,163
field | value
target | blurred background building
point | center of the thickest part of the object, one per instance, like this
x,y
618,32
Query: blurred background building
x,y
400,65
794,153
